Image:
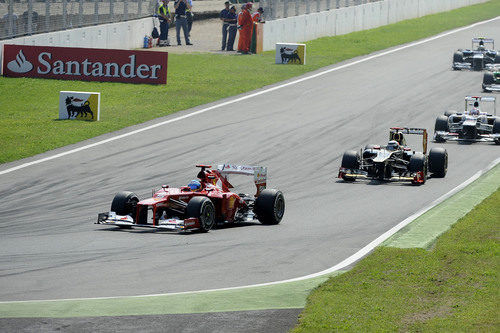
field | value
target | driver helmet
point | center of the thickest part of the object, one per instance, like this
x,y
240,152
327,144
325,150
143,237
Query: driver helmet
x,y
393,145
194,185
475,109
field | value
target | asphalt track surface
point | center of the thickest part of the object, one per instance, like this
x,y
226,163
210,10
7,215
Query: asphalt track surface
x,y
50,248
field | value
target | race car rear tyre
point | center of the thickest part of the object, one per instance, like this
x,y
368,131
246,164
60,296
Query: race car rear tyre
x,y
496,129
270,206
488,79
497,59
350,160
438,162
449,112
418,162
124,203
203,209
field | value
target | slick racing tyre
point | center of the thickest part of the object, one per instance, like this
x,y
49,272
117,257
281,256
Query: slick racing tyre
x,y
488,79
496,129
124,203
438,162
270,206
350,160
440,125
457,57
449,113
417,163
203,209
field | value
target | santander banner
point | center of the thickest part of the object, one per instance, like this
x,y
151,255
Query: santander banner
x,y
71,63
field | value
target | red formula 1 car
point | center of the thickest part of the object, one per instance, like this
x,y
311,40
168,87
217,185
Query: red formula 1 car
x,y
200,205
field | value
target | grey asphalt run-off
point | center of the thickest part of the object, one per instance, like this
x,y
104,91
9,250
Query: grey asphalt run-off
x,y
50,248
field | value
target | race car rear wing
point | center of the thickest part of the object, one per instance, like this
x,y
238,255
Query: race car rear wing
x,y
469,100
395,134
259,174
477,40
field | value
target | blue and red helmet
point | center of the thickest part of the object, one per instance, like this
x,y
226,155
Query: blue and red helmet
x,y
194,185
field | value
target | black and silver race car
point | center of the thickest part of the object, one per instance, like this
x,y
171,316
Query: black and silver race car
x,y
479,57
395,161
474,124
491,79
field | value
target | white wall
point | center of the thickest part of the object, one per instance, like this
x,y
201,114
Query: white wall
x,y
123,35
348,19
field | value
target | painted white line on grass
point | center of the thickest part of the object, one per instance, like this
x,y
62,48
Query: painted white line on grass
x,y
239,99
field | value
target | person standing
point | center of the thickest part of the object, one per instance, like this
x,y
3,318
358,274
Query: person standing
x,y
189,16
257,16
233,27
245,26
165,18
181,20
224,16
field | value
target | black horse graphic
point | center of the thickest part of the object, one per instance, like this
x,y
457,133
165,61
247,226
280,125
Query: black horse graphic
x,y
74,111
289,57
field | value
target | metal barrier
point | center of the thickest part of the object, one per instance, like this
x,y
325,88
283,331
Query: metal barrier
x,y
27,17
276,9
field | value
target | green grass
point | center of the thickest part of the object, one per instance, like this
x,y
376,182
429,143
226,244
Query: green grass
x,y
29,107
453,287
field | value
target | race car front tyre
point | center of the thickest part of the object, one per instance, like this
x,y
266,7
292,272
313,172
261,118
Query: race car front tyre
x,y
270,206
496,129
350,160
488,79
440,125
418,162
203,209
124,203
438,162
457,57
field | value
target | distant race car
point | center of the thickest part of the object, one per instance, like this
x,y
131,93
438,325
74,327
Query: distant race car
x,y
491,80
200,205
477,58
395,161
474,124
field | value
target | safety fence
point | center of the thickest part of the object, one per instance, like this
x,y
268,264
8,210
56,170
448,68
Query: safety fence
x,y
276,9
28,17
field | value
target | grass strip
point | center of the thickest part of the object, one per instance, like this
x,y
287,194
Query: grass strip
x,y
29,107
289,295
452,288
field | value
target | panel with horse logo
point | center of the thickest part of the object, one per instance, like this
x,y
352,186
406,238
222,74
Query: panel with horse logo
x,y
79,105
290,53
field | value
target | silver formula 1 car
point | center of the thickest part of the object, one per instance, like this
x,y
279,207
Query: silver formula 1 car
x,y
474,124
395,161
477,58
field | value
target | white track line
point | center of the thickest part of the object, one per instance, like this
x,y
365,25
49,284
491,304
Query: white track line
x,y
239,99
346,262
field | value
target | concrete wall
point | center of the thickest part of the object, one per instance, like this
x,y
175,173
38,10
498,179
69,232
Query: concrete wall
x,y
348,19
123,35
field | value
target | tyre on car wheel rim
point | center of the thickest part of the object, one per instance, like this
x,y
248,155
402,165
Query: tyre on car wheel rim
x,y
203,209
270,206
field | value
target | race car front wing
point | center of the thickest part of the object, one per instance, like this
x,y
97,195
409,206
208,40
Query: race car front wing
x,y
414,177
126,221
450,136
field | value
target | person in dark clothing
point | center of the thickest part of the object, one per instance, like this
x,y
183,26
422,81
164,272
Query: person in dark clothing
x,y
165,19
224,17
233,27
181,20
